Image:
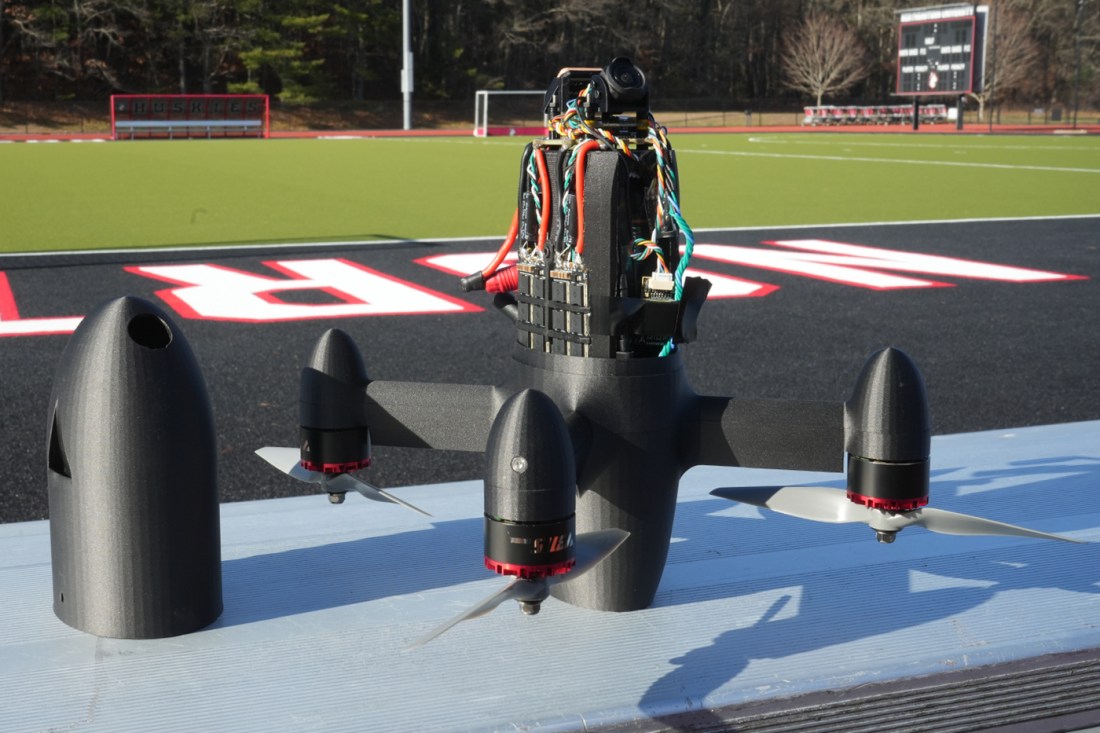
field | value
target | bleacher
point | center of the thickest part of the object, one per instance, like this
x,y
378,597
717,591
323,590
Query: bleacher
x,y
133,129
884,114
171,116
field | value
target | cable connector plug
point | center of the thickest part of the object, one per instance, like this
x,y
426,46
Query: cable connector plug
x,y
476,281
659,286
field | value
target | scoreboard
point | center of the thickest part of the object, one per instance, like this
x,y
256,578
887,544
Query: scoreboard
x,y
941,50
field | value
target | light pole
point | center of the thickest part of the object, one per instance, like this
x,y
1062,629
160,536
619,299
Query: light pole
x,y
1077,61
406,64
992,61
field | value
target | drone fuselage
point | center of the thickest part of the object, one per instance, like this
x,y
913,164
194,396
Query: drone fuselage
x,y
602,308
636,427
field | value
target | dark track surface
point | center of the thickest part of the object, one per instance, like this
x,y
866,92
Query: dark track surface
x,y
994,354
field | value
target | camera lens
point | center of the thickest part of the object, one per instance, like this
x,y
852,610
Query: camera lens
x,y
627,78
625,81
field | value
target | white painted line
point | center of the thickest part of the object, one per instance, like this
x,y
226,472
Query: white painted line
x,y
939,143
903,161
246,247
913,222
500,238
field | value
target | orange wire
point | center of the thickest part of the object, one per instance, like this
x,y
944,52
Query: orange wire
x,y
582,153
513,232
544,175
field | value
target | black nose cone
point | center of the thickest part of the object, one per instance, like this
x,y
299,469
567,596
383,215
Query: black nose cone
x,y
132,479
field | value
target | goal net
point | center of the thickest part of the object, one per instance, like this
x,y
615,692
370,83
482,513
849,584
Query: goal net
x,y
508,112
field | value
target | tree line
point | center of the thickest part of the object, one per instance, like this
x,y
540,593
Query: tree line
x,y
306,50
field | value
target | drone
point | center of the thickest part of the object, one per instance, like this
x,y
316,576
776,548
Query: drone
x,y
588,437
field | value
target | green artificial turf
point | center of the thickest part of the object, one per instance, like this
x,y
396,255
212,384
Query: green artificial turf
x,y
773,180
189,192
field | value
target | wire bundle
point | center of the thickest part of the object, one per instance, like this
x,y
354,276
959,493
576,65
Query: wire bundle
x,y
582,138
647,248
572,126
668,203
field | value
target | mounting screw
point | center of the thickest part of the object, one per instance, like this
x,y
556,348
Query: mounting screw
x,y
519,464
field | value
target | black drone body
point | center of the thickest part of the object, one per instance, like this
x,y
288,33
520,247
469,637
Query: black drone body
x,y
587,438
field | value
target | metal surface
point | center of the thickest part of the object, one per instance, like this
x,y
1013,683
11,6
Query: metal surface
x,y
754,609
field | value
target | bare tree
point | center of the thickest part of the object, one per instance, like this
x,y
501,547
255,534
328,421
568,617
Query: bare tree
x,y
823,56
3,47
82,42
1012,58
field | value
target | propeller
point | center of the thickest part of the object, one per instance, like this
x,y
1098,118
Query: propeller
x,y
288,461
821,504
591,549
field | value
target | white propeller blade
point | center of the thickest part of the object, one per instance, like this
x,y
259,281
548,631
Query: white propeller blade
x,y
516,590
346,482
815,503
592,548
821,504
287,460
945,522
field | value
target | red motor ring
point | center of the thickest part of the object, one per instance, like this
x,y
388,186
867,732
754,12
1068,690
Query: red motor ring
x,y
335,468
888,505
887,485
530,572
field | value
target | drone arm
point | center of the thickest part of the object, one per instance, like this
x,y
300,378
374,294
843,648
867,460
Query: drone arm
x,y
786,434
425,415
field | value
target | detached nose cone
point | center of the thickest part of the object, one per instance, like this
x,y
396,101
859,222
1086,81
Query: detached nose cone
x,y
132,479
888,434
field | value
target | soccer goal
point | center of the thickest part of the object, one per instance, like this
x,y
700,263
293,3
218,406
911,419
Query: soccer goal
x,y
514,112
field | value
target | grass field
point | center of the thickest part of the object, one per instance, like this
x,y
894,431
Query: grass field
x,y
160,193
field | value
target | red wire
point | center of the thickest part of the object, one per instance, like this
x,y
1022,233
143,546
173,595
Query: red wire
x,y
582,153
503,281
544,176
513,232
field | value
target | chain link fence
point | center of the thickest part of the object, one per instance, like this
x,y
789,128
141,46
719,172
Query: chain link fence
x,y
44,118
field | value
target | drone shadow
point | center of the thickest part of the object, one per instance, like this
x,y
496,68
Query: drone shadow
x,y
837,608
306,579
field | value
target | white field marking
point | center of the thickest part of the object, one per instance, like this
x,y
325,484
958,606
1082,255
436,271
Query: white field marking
x,y
499,238
722,286
213,292
455,140
904,161
52,140
954,144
